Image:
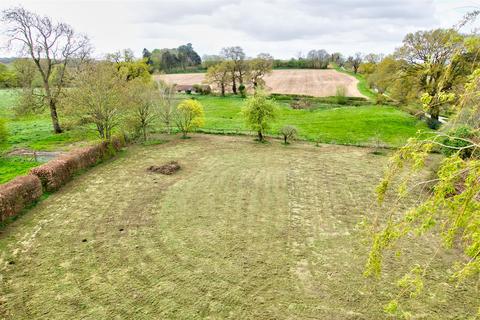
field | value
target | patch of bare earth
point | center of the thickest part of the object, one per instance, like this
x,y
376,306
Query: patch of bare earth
x,y
242,231
318,83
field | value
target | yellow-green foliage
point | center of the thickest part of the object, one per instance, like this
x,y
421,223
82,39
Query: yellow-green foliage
x,y
452,206
259,112
3,131
189,116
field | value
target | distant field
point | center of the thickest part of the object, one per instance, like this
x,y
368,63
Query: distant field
x,y
317,83
243,231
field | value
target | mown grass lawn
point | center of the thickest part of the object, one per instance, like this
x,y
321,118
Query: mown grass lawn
x,y
242,231
355,125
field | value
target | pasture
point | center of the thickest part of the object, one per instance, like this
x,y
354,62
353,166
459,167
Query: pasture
x,y
317,83
242,231
351,125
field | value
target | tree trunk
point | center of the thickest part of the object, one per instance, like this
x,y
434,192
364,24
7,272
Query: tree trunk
x,y
285,139
234,85
54,116
223,89
260,136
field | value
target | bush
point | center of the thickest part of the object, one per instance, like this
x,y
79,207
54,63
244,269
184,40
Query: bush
x,y
243,90
341,95
18,194
455,141
380,99
3,131
301,103
289,133
433,123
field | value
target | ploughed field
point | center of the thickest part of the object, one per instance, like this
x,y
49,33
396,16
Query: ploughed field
x,y
242,231
317,83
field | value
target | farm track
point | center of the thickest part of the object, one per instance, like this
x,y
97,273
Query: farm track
x,y
242,231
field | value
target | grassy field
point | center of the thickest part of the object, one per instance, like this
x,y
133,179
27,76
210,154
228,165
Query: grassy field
x,y
32,133
326,122
243,231
358,125
362,85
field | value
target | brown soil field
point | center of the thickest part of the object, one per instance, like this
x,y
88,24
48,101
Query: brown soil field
x,y
242,231
318,83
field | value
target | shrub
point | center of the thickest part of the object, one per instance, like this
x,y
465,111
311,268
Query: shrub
x,y
243,90
3,131
206,90
18,194
198,88
380,99
341,95
289,133
301,103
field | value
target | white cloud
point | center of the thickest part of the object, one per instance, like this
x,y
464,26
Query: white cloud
x,y
281,27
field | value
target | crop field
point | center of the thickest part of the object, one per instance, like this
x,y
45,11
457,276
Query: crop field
x,y
317,83
242,231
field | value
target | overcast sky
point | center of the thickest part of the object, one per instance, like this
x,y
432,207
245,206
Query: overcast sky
x,y
280,27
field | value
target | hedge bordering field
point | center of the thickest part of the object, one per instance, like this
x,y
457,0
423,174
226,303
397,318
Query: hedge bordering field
x,y
19,194
23,191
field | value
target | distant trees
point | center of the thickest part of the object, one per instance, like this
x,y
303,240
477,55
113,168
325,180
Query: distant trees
x,y
259,112
233,68
355,61
338,59
218,75
52,47
238,67
319,59
169,60
259,67
128,67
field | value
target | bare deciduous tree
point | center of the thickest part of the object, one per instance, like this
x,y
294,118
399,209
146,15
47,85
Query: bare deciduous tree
x,y
355,61
166,105
51,45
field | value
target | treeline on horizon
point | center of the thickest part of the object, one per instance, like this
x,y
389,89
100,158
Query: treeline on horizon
x,y
426,72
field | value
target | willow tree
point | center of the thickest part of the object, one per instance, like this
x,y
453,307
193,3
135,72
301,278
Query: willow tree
x,y
52,46
452,204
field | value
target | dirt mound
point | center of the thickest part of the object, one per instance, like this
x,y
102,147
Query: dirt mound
x,y
168,168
